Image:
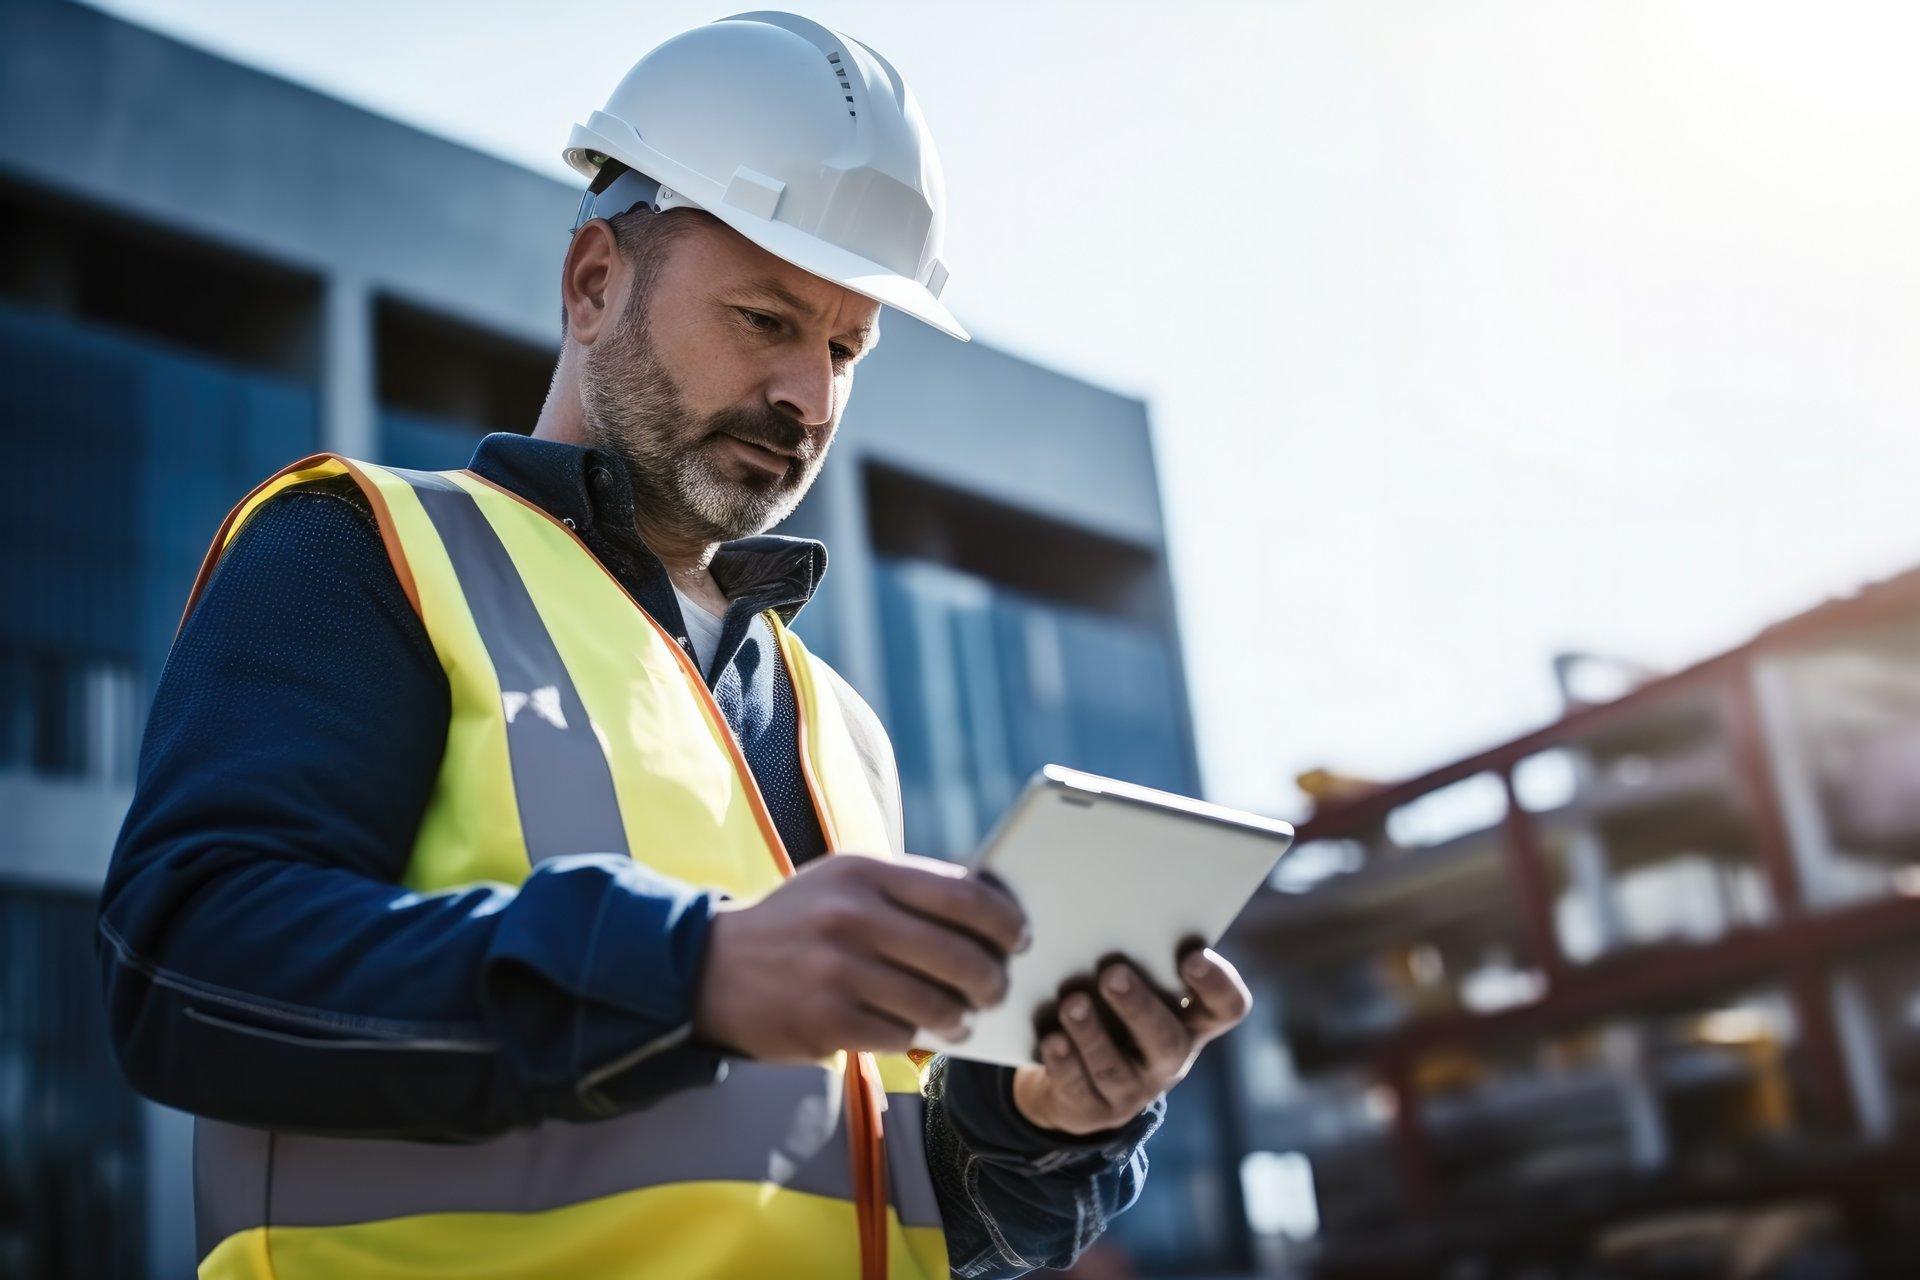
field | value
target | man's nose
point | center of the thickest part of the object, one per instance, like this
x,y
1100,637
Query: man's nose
x,y
804,389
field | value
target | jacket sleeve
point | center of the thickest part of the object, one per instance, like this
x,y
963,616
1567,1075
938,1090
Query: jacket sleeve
x,y
1014,1197
262,962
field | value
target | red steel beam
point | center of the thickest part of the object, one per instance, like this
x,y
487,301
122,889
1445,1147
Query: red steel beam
x,y
1809,988
1665,975
1771,843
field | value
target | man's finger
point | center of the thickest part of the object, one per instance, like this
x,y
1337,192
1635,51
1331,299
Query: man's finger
x,y
1067,1075
946,955
1115,1078
967,901
1164,1041
908,997
863,1028
1221,998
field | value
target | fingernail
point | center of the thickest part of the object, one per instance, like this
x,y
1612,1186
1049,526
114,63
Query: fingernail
x,y
1196,965
1053,1046
1118,982
1078,1008
1025,941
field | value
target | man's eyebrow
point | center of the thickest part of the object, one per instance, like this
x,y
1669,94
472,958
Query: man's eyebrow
x,y
776,292
773,291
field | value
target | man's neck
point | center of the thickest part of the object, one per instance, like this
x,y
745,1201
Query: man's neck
x,y
687,562
686,559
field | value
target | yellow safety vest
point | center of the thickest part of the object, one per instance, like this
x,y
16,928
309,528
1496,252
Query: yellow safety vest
x,y
579,726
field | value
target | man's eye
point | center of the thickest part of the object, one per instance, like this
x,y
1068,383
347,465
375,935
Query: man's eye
x,y
760,320
841,354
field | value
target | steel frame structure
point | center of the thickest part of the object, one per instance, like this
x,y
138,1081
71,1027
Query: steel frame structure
x,y
1798,948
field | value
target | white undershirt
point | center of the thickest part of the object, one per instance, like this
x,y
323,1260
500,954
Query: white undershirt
x,y
703,629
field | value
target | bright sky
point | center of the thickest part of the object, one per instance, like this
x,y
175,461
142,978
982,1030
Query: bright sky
x,y
1473,331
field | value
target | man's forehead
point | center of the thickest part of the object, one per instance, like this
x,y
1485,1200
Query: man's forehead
x,y
751,269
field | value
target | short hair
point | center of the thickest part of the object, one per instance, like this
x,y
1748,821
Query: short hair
x,y
643,237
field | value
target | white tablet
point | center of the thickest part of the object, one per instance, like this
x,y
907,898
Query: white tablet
x,y
1107,869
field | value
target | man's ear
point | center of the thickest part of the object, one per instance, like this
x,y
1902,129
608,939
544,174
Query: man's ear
x,y
591,278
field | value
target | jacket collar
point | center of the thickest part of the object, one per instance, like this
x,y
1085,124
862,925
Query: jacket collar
x,y
592,489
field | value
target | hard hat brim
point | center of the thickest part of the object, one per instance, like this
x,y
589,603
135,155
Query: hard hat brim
x,y
839,266
848,270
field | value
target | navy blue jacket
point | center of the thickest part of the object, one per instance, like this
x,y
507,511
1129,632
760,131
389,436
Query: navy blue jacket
x,y
264,966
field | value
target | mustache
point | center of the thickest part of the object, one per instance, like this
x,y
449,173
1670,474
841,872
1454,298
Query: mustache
x,y
768,428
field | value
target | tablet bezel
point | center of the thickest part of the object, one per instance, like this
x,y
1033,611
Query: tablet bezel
x,y
997,1031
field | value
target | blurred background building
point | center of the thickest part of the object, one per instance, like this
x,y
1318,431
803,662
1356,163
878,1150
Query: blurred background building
x,y
186,306
1637,994
1634,994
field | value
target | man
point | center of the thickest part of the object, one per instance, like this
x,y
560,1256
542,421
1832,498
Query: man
x,y
474,894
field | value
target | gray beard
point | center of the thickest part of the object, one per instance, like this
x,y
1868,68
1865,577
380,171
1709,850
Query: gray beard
x,y
632,406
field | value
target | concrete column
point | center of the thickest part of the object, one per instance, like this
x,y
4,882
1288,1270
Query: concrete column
x,y
1866,1059
856,605
349,411
1629,1059
1589,868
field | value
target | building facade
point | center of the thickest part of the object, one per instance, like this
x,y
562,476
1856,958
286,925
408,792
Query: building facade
x,y
189,301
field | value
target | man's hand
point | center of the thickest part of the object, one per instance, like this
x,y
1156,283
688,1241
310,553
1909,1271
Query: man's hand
x,y
855,953
1086,1081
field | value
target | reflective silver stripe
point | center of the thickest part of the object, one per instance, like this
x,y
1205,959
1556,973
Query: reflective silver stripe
x,y
762,1123
561,780
909,1181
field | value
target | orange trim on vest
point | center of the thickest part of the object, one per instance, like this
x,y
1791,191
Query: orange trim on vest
x,y
869,1165
865,1134
389,534
865,1090
383,518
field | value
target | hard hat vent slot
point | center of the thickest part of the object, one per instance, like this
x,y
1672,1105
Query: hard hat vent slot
x,y
833,60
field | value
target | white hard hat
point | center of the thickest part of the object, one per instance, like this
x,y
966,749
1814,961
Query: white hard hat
x,y
806,142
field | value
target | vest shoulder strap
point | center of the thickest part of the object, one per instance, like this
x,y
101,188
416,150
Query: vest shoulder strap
x,y
319,466
875,749
869,736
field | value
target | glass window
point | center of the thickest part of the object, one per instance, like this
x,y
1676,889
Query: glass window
x,y
72,1181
